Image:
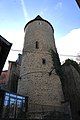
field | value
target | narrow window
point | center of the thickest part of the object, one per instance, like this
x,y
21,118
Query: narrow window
x,y
37,45
43,61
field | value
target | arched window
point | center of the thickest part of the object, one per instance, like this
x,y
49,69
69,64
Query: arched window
x,y
37,45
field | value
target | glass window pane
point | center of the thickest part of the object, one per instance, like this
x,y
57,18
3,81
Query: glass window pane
x,y
6,97
6,103
19,97
23,98
11,100
12,95
23,101
7,94
19,103
12,107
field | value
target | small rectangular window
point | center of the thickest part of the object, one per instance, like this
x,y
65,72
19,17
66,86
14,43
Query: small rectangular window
x,y
37,45
43,61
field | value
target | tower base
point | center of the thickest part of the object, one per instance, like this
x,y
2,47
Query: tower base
x,y
47,112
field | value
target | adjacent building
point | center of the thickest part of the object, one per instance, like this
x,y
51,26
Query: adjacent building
x,y
9,78
4,51
71,86
78,2
13,74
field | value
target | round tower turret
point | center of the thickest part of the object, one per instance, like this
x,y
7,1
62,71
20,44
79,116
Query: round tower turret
x,y
39,80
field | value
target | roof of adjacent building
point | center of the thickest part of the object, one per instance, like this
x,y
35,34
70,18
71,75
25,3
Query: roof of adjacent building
x,y
4,51
4,41
38,18
78,2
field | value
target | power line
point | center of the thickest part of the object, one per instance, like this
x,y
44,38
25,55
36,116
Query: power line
x,y
15,50
68,55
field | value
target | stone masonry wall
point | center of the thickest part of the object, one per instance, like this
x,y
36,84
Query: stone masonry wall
x,y
35,81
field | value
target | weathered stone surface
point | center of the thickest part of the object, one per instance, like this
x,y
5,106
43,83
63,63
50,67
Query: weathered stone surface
x,y
72,86
36,83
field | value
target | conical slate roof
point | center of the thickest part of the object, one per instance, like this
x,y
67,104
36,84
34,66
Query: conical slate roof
x,y
38,18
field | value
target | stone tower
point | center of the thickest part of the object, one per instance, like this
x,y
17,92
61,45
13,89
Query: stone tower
x,y
43,89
